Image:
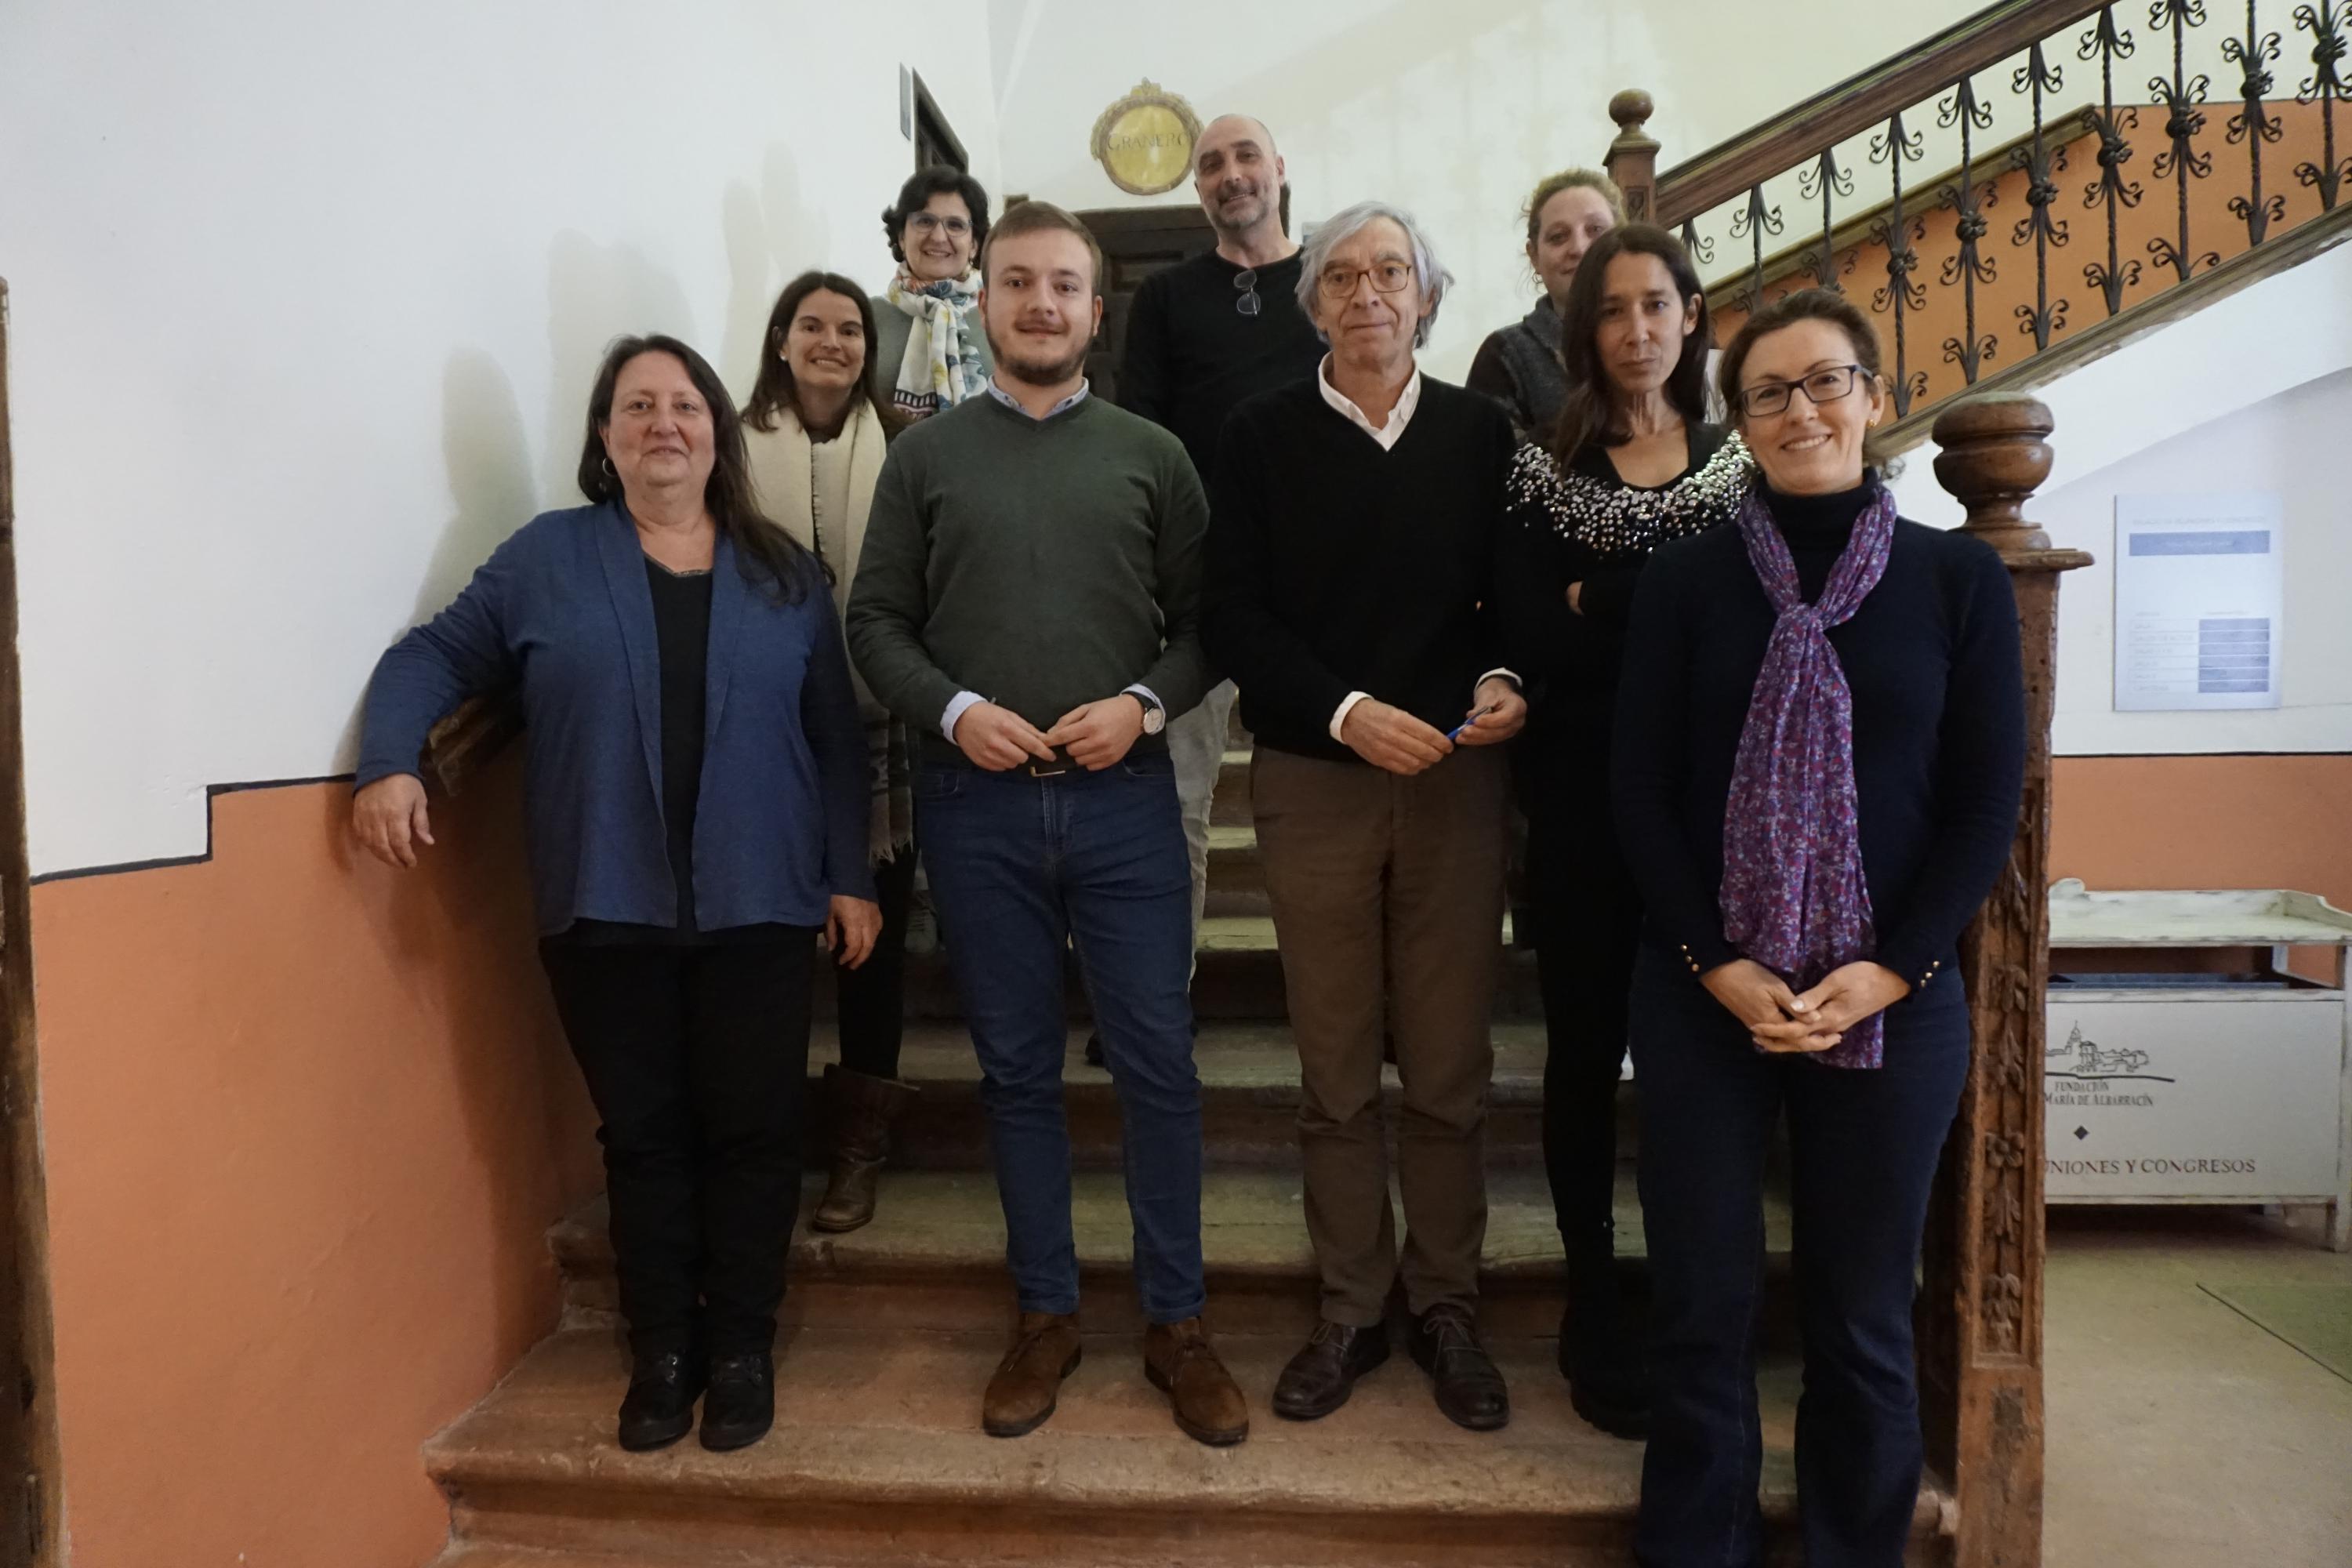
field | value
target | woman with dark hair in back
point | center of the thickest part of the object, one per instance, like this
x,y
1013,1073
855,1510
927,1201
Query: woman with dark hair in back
x,y
694,798
1633,462
816,433
1820,751
929,349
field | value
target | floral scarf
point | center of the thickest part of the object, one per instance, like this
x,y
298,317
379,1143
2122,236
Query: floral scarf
x,y
1793,895
942,365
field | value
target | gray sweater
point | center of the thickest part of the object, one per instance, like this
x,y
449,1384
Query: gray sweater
x,y
1042,564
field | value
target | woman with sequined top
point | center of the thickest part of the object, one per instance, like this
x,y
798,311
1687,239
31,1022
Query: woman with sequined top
x,y
1635,463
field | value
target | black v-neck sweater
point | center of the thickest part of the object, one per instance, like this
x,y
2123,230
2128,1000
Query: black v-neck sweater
x,y
1933,660
1335,566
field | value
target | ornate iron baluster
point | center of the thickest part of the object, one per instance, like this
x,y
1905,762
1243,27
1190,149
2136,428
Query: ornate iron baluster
x,y
1826,179
1702,250
2253,124
2181,95
2040,166
1754,223
1903,292
2325,83
1968,269
2108,44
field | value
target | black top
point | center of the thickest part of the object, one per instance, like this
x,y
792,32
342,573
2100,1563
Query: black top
x,y
1590,526
1335,566
1191,355
682,645
1933,660
1520,366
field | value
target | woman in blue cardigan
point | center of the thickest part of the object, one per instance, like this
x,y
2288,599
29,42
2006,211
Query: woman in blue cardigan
x,y
694,799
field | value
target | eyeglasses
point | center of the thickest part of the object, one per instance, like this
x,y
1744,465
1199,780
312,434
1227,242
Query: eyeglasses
x,y
1247,302
1336,283
1821,386
926,223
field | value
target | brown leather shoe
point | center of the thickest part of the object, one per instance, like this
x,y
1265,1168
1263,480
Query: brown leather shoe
x,y
1028,1380
1323,1374
1469,1386
1179,1359
863,1108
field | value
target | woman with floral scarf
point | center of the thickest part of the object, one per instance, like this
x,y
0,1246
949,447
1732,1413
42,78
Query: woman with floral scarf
x,y
929,350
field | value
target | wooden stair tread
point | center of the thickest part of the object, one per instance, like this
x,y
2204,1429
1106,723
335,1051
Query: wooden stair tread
x,y
893,1419
1250,1227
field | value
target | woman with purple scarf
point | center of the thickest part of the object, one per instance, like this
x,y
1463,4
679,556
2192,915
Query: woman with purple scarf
x,y
1820,748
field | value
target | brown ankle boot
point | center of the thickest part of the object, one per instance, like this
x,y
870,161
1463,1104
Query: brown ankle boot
x,y
1208,1403
1028,1380
862,1109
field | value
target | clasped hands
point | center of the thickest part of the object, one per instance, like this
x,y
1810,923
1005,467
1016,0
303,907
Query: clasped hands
x,y
1096,734
1783,1021
1389,737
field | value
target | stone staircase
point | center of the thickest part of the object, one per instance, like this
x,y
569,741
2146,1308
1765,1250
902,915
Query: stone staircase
x,y
890,1333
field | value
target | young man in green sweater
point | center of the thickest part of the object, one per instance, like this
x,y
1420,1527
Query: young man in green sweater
x,y
1027,600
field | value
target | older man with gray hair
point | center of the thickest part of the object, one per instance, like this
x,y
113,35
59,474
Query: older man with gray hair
x,y
1350,555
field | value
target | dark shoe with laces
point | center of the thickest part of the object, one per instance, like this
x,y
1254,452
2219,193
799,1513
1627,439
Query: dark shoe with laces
x,y
1319,1378
1469,1386
659,1406
1607,1370
741,1404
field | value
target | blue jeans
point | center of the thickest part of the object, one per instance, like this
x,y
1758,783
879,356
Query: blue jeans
x,y
1021,868
1862,1149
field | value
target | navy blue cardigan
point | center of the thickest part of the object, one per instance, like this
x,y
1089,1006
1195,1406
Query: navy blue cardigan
x,y
561,610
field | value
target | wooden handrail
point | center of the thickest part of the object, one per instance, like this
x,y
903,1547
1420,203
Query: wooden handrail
x,y
1861,102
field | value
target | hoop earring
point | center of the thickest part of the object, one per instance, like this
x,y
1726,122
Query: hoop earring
x,y
608,467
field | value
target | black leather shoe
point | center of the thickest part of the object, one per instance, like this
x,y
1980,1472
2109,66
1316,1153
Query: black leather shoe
x,y
741,1404
1323,1374
1607,1371
1093,1050
659,1406
1470,1389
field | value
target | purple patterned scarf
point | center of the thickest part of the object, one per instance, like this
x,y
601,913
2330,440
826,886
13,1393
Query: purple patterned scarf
x,y
1794,896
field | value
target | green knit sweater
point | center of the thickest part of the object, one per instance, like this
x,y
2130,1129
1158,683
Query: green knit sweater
x,y
1043,564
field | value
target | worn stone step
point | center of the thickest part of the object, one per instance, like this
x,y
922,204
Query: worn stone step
x,y
1230,806
934,1255
1239,976
1249,1086
878,1458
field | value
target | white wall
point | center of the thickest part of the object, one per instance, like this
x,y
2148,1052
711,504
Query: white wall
x,y
1452,110
306,299
2253,393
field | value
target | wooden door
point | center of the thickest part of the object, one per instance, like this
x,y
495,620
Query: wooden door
x,y
1136,243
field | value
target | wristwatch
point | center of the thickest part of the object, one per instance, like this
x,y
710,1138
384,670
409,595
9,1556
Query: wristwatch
x,y
1155,717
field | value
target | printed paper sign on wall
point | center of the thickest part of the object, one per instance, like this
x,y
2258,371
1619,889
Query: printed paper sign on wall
x,y
2199,586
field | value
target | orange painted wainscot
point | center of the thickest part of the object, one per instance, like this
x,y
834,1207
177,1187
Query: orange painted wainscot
x,y
306,1123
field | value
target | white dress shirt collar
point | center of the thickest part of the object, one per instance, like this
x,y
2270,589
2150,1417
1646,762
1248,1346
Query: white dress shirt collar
x,y
1386,434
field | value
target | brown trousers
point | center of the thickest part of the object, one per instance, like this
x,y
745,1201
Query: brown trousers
x,y
1388,901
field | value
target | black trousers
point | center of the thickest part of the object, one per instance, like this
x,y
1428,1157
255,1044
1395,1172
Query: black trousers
x,y
1587,920
870,1000
1863,1150
697,1059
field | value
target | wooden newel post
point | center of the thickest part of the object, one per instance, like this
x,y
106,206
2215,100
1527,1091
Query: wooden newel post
x,y
1632,160
1980,1308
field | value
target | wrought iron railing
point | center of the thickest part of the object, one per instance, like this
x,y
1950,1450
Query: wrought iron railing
x,y
2075,193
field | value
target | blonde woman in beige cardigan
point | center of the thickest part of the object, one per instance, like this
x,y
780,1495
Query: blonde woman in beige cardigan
x,y
816,437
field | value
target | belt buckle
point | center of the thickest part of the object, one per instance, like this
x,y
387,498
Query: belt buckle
x,y
1048,769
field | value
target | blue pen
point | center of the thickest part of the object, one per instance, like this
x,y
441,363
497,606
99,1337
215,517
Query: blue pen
x,y
1455,732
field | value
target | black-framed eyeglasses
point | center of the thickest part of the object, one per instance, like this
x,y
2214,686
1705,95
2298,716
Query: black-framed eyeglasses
x,y
1825,385
1389,276
1246,300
